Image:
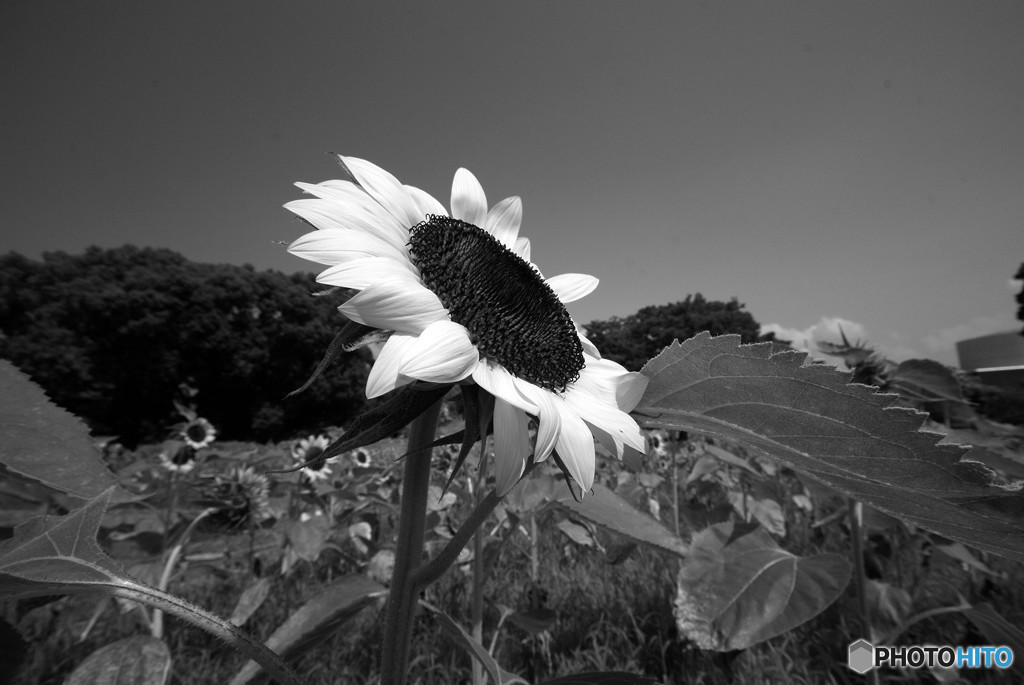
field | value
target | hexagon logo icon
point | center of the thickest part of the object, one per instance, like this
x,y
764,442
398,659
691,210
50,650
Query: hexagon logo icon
x,y
862,657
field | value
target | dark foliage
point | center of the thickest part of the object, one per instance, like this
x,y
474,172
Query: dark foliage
x,y
633,340
111,334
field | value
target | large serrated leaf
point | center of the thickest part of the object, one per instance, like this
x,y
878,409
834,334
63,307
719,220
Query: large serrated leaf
x,y
317,620
607,509
42,442
55,555
734,593
846,436
137,660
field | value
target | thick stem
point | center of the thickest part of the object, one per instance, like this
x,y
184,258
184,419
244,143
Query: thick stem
x,y
401,605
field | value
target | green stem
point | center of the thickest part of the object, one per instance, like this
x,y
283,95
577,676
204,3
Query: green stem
x,y
186,611
435,568
401,605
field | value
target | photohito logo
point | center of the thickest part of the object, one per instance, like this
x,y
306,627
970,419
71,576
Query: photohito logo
x,y
864,656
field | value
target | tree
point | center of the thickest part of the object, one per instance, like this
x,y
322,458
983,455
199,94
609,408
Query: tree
x,y
633,340
111,334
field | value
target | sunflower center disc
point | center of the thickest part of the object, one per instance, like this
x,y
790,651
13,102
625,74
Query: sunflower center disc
x,y
512,315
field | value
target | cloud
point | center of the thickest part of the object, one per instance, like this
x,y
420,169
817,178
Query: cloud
x,y
827,328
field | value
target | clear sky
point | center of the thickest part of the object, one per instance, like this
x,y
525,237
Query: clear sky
x,y
818,160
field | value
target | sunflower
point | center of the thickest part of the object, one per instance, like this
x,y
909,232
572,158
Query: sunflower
x,y
178,458
361,459
309,450
462,302
243,496
198,433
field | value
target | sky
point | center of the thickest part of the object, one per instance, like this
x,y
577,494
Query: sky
x,y
856,164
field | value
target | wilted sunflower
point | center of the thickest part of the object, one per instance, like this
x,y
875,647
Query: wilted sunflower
x,y
310,449
198,433
462,301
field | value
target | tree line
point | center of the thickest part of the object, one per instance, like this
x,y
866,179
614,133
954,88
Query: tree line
x,y
112,334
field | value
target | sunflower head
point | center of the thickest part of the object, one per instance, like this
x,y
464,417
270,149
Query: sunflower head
x,y
198,433
178,457
361,459
309,451
463,303
242,497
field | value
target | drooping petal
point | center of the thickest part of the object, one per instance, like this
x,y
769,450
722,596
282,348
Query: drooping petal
x,y
619,425
589,348
340,245
384,376
469,203
511,445
571,287
362,273
522,248
425,203
496,380
384,188
602,378
503,221
549,418
442,353
395,304
576,448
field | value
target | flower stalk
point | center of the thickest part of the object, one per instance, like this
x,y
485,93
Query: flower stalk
x,y
401,606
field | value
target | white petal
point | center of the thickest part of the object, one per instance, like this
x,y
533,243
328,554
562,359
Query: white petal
x,y
571,287
443,353
425,203
362,273
503,221
602,378
576,448
384,376
522,248
618,425
589,347
384,188
511,445
495,379
469,203
549,418
341,245
395,304
631,390
365,215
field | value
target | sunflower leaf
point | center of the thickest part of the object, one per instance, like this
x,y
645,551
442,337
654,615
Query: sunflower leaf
x,y
846,436
317,620
136,660
59,554
44,443
737,587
